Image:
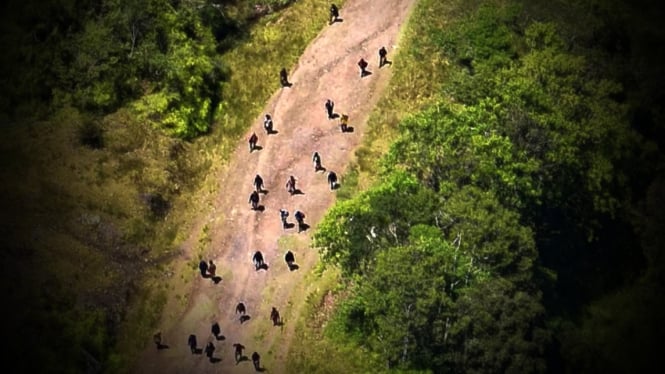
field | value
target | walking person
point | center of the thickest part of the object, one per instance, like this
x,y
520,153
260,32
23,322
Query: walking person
x,y
210,349
283,78
274,317
267,124
216,330
300,218
203,268
254,200
332,180
291,185
252,142
212,268
362,64
240,308
316,159
344,122
329,108
283,214
383,59
238,351
289,258
334,13
192,343
256,360
258,183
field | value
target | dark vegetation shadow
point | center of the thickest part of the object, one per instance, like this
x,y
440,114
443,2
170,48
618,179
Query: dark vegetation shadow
x,y
293,267
244,318
216,279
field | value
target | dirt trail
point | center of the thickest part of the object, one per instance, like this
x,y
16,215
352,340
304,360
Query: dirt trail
x,y
327,69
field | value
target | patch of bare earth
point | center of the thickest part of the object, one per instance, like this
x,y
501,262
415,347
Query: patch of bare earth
x,y
326,70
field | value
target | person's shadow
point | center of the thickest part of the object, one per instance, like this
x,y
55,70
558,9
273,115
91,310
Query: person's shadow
x,y
215,360
257,148
340,20
387,62
263,266
261,208
289,225
216,279
244,318
273,132
348,129
335,116
303,227
336,186
161,346
297,192
293,266
198,351
220,337
365,73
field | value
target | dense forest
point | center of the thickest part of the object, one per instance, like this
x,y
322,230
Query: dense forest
x,y
516,224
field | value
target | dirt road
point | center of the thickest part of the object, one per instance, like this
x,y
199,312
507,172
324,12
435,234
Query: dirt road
x,y
327,70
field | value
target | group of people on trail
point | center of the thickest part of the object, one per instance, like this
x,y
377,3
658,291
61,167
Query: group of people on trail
x,y
208,268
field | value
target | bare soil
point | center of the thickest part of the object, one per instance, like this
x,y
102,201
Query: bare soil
x,y
327,70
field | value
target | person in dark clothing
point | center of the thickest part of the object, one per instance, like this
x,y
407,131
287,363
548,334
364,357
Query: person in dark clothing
x,y
329,108
216,330
258,260
334,13
212,268
274,316
291,185
240,308
316,159
283,214
283,78
383,56
210,349
256,360
192,343
254,200
238,351
290,258
332,179
203,267
300,217
157,338
252,142
362,64
258,183
267,124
